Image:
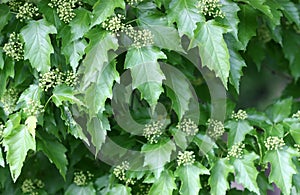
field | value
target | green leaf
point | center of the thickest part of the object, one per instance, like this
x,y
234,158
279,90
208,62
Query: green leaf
x,y
179,90
80,24
237,131
74,52
275,10
63,93
231,19
56,153
145,71
259,5
97,55
37,44
164,185
290,11
32,93
5,15
247,25
105,8
97,93
236,65
2,163
290,43
295,132
246,172
157,155
81,190
280,110
31,123
190,177
120,190
213,49
1,59
17,141
282,167
97,127
186,16
204,143
218,177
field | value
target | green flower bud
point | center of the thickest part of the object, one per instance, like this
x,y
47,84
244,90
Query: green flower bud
x,y
14,48
185,158
9,100
120,173
153,131
274,143
188,126
82,178
64,9
236,151
215,128
132,2
239,115
210,8
296,115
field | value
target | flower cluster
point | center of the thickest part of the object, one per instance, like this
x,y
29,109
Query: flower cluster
x,y
274,143
297,146
264,34
236,151
153,131
143,189
24,10
9,100
132,2
188,126
33,108
64,9
296,115
215,128
1,129
82,178
14,48
239,115
114,24
141,38
185,158
31,187
120,173
210,8
55,77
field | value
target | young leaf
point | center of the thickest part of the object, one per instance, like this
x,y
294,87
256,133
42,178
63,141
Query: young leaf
x,y
56,152
213,49
5,15
190,177
259,5
74,52
97,55
31,122
105,8
280,110
80,24
17,141
237,131
98,92
145,71
282,167
179,90
218,177
120,190
246,172
290,11
157,155
97,127
82,190
63,93
164,185
185,14
37,44
247,25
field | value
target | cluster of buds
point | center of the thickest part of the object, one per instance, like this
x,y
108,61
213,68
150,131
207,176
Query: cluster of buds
x,y
188,126
297,146
54,77
215,128
142,189
274,143
264,34
132,2
153,131
236,151
14,48
141,38
64,9
185,158
120,173
210,8
31,187
239,115
9,100
114,24
24,10
296,115
33,108
82,178
1,129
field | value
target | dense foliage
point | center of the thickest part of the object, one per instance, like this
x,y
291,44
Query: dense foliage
x,y
144,96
